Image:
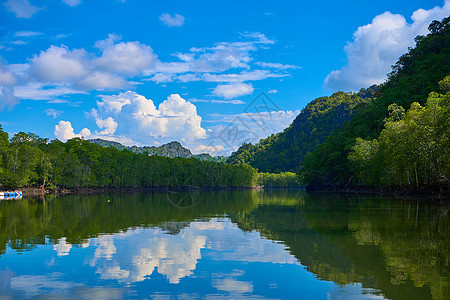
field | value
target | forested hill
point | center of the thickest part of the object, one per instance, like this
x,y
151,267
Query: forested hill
x,y
172,150
286,150
413,148
395,134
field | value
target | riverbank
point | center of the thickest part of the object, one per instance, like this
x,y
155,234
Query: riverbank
x,y
34,191
425,193
399,192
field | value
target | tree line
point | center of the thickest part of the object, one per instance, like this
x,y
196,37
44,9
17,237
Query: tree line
x,y
413,149
28,160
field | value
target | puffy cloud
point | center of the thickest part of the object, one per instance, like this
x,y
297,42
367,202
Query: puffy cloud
x,y
86,71
229,91
58,64
274,91
129,58
136,117
64,131
21,8
377,46
72,3
177,20
109,124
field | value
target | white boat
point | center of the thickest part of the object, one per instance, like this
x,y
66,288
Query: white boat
x,y
10,195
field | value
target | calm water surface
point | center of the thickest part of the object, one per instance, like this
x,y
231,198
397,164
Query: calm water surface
x,y
248,244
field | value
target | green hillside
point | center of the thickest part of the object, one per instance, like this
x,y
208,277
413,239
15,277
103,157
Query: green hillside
x,y
414,78
320,143
286,150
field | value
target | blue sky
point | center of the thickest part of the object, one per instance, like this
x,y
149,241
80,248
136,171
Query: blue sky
x,y
209,74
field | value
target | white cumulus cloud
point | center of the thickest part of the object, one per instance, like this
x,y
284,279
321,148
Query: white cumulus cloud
x,y
378,45
171,21
77,68
64,131
59,64
229,91
125,57
131,118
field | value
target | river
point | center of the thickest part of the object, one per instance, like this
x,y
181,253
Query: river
x,y
264,244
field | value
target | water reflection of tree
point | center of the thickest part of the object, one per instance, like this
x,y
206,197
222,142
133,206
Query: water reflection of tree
x,y
29,222
394,246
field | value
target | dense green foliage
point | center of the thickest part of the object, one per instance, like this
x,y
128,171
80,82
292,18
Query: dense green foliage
x,y
286,150
172,150
413,149
414,77
27,160
285,179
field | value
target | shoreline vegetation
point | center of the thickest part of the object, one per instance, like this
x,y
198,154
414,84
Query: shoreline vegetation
x,y
411,193
36,191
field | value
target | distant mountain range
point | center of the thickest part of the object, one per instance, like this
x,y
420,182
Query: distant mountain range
x,y
172,150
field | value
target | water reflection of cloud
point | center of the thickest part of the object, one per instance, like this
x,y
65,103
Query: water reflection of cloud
x,y
144,251
134,255
105,248
229,283
62,248
32,285
232,285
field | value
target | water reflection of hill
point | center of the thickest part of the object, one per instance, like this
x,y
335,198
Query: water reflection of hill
x,y
393,246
